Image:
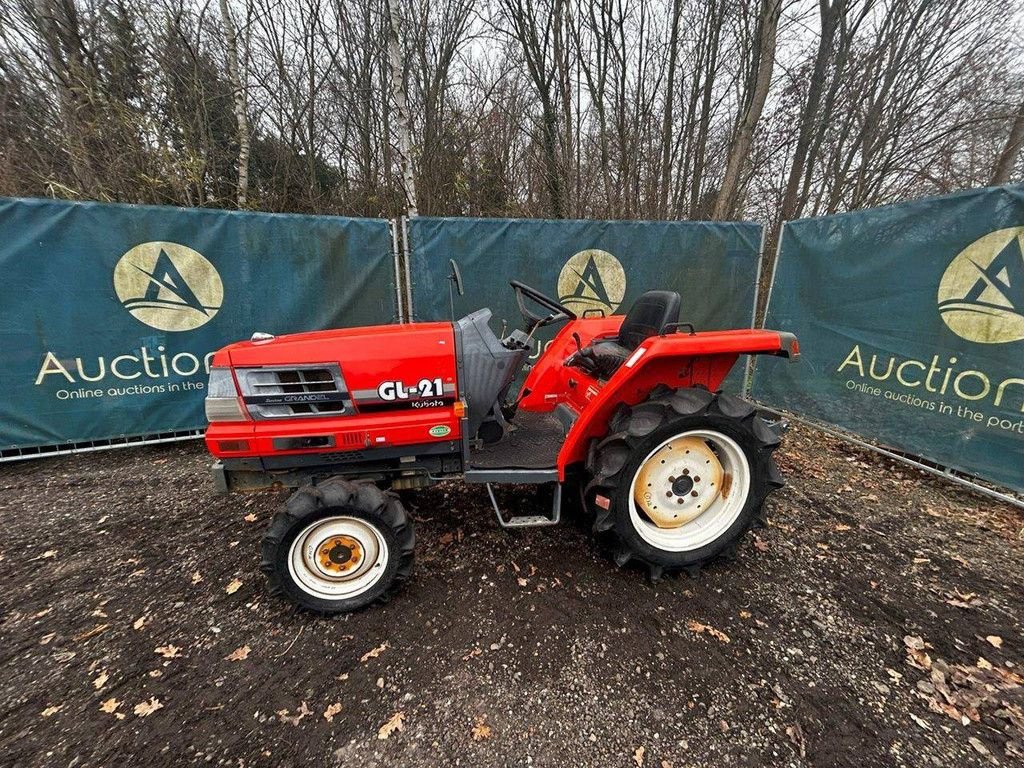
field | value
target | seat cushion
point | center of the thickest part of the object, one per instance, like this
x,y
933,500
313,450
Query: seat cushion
x,y
649,315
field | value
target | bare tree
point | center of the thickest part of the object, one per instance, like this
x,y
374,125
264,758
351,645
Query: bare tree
x,y
758,82
238,88
603,108
1011,150
397,83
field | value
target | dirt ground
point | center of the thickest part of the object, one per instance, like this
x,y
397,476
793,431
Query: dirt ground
x,y
875,622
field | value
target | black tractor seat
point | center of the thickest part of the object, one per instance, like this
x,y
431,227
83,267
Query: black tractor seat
x,y
649,316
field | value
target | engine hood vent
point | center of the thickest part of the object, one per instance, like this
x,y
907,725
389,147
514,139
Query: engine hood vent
x,y
294,391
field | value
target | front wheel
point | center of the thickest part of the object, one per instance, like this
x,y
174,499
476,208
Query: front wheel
x,y
680,478
338,546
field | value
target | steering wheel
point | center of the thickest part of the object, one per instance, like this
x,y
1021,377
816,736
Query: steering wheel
x,y
559,312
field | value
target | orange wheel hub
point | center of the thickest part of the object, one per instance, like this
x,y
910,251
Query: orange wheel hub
x,y
340,554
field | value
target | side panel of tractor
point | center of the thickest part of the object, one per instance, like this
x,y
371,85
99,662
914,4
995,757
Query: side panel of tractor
x,y
347,391
674,360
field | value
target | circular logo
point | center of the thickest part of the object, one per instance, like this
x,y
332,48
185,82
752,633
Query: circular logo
x,y
981,294
441,430
592,279
168,286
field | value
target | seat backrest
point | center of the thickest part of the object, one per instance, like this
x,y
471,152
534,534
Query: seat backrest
x,y
648,316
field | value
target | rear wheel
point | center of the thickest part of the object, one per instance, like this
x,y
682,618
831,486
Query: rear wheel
x,y
338,546
680,478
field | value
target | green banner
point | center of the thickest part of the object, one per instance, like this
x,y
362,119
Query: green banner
x,y
911,328
588,265
109,313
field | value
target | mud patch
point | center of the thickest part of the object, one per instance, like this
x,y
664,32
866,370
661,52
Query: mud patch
x,y
131,591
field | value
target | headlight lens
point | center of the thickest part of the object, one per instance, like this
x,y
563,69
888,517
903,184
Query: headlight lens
x,y
222,400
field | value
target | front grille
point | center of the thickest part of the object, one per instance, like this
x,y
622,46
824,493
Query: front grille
x,y
287,392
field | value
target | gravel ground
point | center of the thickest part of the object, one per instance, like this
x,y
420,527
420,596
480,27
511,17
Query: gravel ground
x,y
875,622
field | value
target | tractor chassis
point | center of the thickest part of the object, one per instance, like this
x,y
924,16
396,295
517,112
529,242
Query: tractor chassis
x,y
408,467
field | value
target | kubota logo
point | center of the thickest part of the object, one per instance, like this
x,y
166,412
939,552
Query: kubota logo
x,y
592,279
981,295
168,286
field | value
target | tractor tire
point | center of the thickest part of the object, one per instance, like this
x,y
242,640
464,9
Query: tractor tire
x,y
680,479
338,546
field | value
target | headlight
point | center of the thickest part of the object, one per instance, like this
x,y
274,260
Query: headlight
x,y
222,400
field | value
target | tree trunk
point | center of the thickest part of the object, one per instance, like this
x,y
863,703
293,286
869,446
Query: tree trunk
x,y
809,116
1008,157
667,116
402,109
768,27
235,76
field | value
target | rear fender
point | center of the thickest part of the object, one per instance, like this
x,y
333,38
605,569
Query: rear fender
x,y
675,360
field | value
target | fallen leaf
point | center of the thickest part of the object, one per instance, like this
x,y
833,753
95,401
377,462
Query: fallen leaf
x,y
760,544
233,586
90,633
47,554
392,725
666,764
700,629
295,719
110,707
522,582
156,673
979,747
796,735
842,527
100,681
168,651
147,708
374,653
139,622
331,711
920,721
45,639
913,642
481,730
745,614
52,710
984,663
995,641
239,654
197,577
250,518
472,654
638,756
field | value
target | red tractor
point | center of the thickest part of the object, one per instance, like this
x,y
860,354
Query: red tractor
x,y
623,410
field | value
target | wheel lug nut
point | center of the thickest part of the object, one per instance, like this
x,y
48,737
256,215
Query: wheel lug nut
x,y
686,471
693,493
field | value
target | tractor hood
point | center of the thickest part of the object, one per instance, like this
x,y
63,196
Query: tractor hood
x,y
382,365
309,347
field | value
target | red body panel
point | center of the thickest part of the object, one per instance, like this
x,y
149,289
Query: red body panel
x,y
676,360
368,357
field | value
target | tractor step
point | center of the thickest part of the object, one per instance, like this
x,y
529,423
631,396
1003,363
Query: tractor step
x,y
529,521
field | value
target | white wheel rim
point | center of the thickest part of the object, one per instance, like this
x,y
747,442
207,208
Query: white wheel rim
x,y
338,558
689,490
